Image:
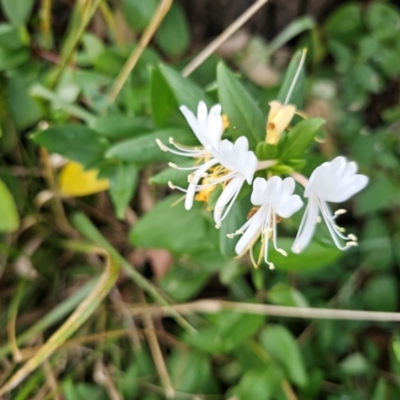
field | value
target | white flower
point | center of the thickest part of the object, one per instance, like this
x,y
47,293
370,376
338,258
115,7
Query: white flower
x,y
233,164
275,198
334,181
208,128
241,164
227,163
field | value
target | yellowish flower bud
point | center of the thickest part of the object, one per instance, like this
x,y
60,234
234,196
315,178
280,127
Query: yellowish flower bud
x,y
279,118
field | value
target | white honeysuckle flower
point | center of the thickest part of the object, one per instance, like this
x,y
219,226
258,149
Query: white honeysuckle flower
x,y
208,128
233,164
241,164
334,182
275,198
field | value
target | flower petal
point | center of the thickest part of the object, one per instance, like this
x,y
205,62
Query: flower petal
x,y
307,226
253,231
228,196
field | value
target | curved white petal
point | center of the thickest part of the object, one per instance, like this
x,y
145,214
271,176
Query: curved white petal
x,y
307,226
215,126
335,181
202,112
237,158
288,206
260,188
207,126
227,198
252,232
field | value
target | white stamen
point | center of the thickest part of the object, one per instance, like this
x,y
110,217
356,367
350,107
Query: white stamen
x,y
341,211
318,219
352,237
283,252
161,146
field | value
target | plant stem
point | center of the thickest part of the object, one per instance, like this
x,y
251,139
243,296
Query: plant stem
x,y
215,306
76,319
155,22
225,35
71,45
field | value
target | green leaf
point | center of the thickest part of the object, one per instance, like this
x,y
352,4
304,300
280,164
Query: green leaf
x,y
228,330
17,12
183,282
164,105
13,58
259,384
280,344
76,142
345,23
367,78
120,126
383,20
381,293
245,117
171,227
81,391
297,96
176,176
314,256
266,151
173,34
185,91
376,245
381,390
190,371
24,109
234,220
378,195
144,148
138,12
299,139
286,295
122,186
10,36
9,220
354,364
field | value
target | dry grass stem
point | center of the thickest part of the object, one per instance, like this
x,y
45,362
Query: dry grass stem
x,y
215,306
226,34
151,29
156,352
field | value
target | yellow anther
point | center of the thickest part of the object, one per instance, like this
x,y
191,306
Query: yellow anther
x,y
225,121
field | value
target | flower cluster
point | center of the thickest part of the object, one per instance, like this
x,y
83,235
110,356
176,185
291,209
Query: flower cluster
x,y
232,165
